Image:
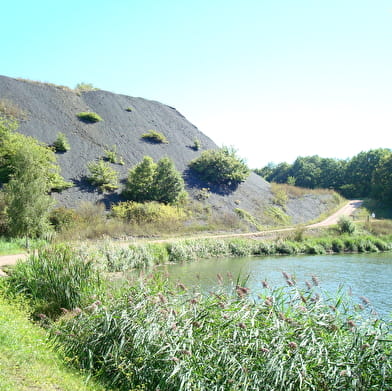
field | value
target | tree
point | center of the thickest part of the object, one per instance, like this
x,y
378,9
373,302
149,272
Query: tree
x,y
11,142
26,193
360,169
149,181
221,167
168,185
102,175
382,180
140,181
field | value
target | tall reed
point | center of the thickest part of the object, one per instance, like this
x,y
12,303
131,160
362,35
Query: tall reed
x,y
55,277
160,337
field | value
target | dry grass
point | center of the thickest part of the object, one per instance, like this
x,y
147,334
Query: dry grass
x,y
296,192
60,87
11,110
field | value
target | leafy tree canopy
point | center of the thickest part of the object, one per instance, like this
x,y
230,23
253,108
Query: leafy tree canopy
x,y
220,167
11,142
150,181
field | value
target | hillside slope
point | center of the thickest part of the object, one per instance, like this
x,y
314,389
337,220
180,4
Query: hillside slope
x,y
51,109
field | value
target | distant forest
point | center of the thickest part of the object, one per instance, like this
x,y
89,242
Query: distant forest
x,y
366,175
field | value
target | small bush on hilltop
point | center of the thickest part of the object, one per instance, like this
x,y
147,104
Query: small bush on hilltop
x,y
81,87
220,166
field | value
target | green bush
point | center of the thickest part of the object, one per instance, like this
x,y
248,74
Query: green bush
x,y
220,166
61,144
196,145
155,137
102,175
63,218
89,117
112,157
346,226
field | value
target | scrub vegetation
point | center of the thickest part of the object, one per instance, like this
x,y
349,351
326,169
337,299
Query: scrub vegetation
x,y
155,137
89,117
220,167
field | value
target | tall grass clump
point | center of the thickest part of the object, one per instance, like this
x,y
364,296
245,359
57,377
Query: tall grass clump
x,y
135,256
161,337
55,277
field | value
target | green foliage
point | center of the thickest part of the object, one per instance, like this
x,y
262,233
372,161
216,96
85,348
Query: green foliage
x,y
148,212
382,180
63,218
277,215
248,217
11,142
154,136
366,174
102,175
54,278
26,194
157,336
196,145
89,117
221,167
149,181
61,144
112,157
346,226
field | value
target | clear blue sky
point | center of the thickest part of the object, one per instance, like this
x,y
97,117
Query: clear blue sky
x,y
276,79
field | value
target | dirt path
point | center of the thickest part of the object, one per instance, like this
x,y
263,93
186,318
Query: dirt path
x,y
346,210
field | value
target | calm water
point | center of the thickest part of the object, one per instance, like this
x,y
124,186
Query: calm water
x,y
368,275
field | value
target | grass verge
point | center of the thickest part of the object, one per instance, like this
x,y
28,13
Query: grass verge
x,y
27,360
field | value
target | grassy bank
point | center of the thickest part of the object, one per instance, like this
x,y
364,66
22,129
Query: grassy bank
x,y
28,361
114,258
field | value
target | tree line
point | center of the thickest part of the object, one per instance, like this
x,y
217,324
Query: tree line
x,y
367,174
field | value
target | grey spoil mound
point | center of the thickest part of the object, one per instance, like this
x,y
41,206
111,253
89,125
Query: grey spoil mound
x,y
52,109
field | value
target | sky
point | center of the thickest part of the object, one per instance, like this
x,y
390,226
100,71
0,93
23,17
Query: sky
x,y
275,79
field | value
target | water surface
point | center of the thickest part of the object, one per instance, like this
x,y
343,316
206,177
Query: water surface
x,y
367,275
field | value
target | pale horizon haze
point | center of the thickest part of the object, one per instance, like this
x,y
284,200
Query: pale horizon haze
x,y
276,79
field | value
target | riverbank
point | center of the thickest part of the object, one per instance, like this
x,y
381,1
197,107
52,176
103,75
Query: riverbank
x,y
150,334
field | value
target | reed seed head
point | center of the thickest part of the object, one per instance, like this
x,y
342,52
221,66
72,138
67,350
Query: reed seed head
x,y
265,284
315,280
